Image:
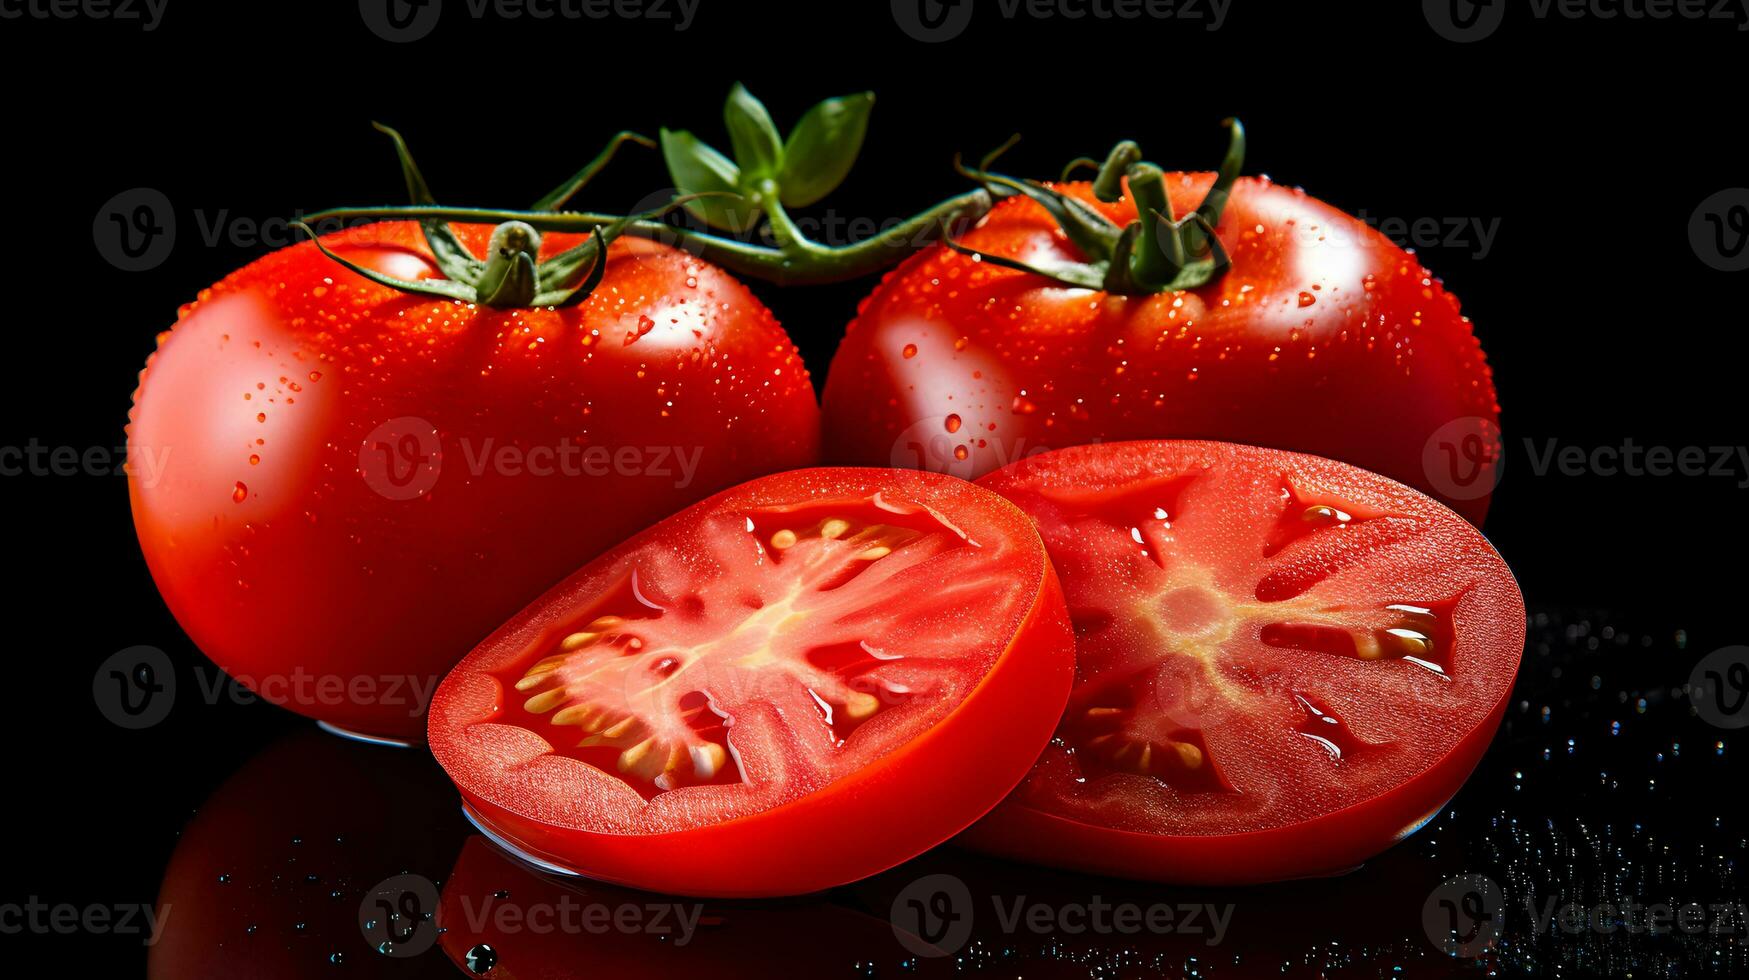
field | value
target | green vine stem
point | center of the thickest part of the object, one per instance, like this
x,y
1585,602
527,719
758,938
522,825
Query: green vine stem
x,y
742,196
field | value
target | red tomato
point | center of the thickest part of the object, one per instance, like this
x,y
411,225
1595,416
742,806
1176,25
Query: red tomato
x,y
341,488
1322,336
797,683
1285,664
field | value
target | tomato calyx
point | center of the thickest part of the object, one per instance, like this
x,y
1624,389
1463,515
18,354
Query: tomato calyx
x,y
512,275
1156,252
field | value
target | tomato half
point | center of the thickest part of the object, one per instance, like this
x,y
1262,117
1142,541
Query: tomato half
x,y
1322,336
1285,663
341,488
797,683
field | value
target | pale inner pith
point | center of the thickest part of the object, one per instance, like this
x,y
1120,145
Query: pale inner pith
x,y
645,689
1185,614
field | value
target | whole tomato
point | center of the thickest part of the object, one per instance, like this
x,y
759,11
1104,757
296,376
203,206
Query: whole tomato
x,y
341,487
1309,331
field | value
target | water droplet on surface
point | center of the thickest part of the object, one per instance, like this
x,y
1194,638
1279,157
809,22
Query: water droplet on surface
x,y
481,959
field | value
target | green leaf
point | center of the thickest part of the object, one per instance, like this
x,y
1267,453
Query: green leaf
x,y
822,148
752,135
697,168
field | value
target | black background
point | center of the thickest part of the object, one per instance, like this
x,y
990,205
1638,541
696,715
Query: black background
x,y
1591,141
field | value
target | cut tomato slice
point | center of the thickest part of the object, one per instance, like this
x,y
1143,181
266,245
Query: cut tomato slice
x,y
794,684
1285,664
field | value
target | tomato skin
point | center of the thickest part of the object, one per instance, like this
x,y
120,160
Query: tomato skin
x,y
1040,823
1323,337
911,798
262,520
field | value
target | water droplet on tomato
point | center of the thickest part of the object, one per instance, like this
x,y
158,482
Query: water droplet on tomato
x,y
240,493
1307,299
953,423
909,352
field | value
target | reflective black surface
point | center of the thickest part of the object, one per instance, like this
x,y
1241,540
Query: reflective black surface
x,y
1597,837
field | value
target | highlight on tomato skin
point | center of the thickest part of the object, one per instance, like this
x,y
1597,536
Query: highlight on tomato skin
x,y
1321,336
794,684
1285,664
340,489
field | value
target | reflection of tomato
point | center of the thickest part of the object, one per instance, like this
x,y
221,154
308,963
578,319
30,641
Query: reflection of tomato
x,y
1285,664
268,878
792,685
502,920
1322,337
341,488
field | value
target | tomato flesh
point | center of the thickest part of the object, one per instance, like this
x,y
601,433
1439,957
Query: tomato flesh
x,y
753,696
1284,663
